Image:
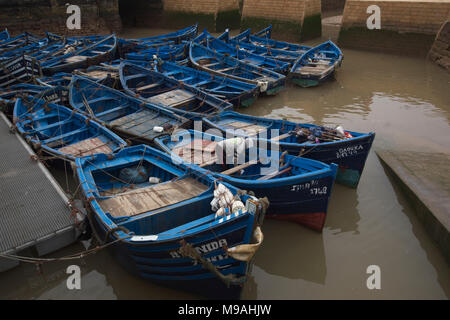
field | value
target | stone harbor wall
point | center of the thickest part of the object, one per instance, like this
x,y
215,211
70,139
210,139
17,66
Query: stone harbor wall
x,y
332,5
291,19
215,15
407,26
440,51
38,16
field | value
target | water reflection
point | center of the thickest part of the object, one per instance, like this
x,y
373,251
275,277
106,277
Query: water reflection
x,y
343,215
292,251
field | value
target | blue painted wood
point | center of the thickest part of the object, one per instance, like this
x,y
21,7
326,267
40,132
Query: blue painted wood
x,y
317,65
276,54
349,154
4,35
102,50
206,59
242,55
266,41
50,127
134,77
151,249
120,112
166,52
236,92
300,189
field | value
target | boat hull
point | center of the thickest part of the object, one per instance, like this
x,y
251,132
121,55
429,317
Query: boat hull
x,y
157,263
350,156
303,201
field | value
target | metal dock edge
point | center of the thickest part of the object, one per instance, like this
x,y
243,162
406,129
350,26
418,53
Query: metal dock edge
x,y
34,210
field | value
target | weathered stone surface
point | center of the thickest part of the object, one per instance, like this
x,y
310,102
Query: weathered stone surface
x,y
440,52
427,187
38,16
407,26
291,19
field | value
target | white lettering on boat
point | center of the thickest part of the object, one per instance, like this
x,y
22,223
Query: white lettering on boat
x,y
203,249
305,186
349,151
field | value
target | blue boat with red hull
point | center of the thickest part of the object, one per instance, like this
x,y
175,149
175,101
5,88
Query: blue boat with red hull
x,y
349,151
298,189
170,235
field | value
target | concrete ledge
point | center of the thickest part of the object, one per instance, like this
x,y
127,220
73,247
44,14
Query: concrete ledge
x,y
427,188
282,30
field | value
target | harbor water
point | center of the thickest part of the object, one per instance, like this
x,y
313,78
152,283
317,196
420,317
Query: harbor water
x,y
406,101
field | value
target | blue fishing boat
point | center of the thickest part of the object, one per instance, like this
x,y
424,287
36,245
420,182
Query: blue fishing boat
x,y
168,52
58,79
347,149
4,35
298,189
238,93
8,97
245,56
316,65
156,88
160,217
203,58
19,69
120,112
17,42
265,41
82,58
276,54
60,132
34,48
177,37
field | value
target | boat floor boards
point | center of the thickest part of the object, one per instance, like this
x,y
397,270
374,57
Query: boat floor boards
x,y
86,147
173,98
150,198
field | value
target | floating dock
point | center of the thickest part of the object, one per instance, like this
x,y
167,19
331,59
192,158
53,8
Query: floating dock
x,y
427,187
33,209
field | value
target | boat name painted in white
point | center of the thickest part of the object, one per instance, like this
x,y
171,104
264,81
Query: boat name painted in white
x,y
305,186
349,151
208,247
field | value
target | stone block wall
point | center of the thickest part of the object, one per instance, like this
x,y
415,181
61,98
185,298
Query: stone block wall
x,y
38,16
332,5
407,26
215,15
291,19
440,51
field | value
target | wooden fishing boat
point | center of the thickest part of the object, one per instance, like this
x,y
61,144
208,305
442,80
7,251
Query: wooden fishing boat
x,y
349,151
36,47
4,35
120,112
17,42
177,37
298,188
245,56
246,36
60,132
169,53
238,93
8,97
156,88
317,65
94,54
167,232
19,69
279,55
100,74
203,58
58,79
